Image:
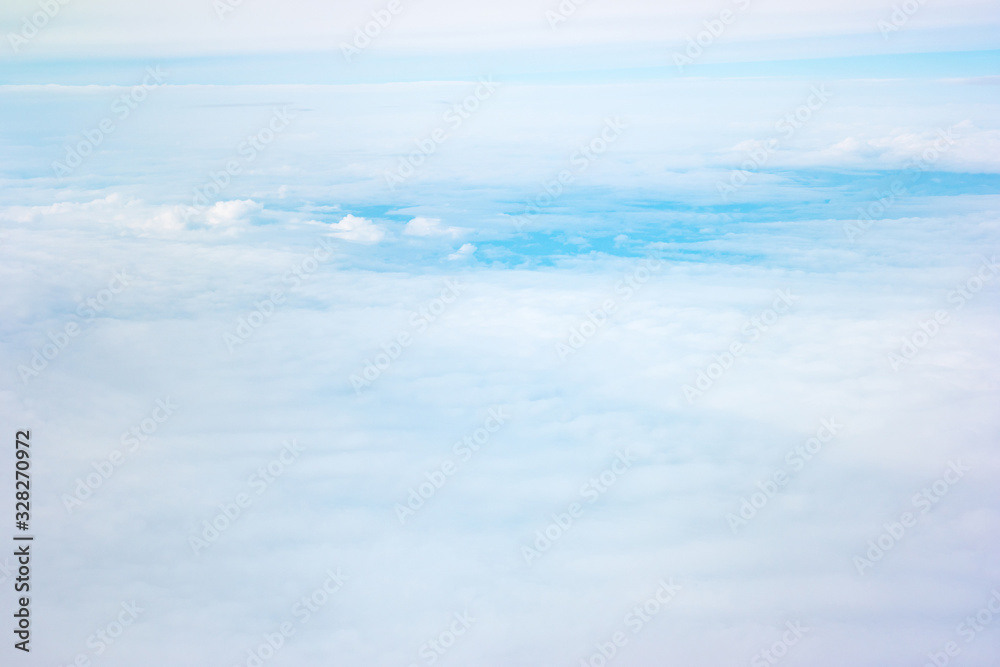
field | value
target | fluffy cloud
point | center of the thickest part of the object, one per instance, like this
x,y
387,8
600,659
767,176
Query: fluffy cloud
x,y
467,250
431,227
231,213
495,344
357,230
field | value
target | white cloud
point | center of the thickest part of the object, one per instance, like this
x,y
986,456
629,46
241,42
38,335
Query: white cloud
x,y
231,213
358,230
495,344
466,250
448,25
431,227
136,215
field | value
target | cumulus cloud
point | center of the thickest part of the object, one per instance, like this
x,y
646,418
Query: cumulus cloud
x,y
133,215
357,230
231,213
431,227
467,250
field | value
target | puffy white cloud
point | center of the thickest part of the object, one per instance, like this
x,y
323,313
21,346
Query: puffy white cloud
x,y
230,213
467,250
136,216
420,226
357,230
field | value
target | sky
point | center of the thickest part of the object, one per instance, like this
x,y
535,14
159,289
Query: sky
x,y
530,334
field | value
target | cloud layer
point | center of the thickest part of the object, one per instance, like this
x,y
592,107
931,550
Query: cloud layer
x,y
683,363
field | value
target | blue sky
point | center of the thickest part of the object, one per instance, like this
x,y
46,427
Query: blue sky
x,y
276,284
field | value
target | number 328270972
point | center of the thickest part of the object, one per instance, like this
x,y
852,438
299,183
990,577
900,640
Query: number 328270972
x,y
21,476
